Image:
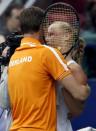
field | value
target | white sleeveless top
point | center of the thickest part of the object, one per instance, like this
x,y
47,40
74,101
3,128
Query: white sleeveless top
x,y
63,123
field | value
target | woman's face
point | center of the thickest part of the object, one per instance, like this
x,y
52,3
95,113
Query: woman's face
x,y
58,38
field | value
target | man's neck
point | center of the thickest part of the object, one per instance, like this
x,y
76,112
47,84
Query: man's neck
x,y
33,35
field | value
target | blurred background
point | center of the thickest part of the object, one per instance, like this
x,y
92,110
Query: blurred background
x,y
9,12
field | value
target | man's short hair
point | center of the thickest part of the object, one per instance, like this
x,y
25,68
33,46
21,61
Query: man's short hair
x,y
30,19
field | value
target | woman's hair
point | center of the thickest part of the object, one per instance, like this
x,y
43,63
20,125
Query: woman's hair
x,y
78,51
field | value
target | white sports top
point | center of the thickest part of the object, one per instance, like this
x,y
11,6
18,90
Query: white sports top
x,y
63,123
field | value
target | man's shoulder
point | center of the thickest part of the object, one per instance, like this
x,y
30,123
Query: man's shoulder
x,y
50,51
47,48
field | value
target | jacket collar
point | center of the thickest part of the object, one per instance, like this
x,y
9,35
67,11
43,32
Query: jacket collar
x,y
30,40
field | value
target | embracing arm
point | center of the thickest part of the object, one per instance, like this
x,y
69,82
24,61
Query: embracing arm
x,y
74,105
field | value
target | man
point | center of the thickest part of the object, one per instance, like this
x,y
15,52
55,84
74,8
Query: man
x,y
33,70
12,19
5,114
60,36
5,111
